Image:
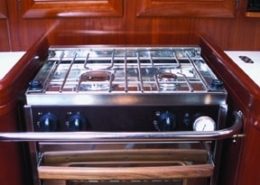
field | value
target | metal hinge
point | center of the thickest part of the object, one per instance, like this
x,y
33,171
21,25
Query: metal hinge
x,y
235,137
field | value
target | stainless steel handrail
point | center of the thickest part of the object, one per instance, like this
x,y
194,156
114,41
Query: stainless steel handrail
x,y
127,136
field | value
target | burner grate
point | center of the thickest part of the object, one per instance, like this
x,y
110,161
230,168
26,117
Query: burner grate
x,y
126,70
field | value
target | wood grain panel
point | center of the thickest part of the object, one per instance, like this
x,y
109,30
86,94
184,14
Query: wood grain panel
x,y
69,8
239,32
188,8
248,173
12,170
4,36
245,94
3,9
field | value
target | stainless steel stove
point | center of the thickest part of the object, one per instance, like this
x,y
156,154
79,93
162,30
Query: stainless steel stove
x,y
91,76
147,89
104,114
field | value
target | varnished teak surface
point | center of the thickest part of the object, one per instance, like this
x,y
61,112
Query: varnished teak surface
x,y
246,97
221,20
13,167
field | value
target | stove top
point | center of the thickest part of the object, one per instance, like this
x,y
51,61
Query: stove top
x,y
81,74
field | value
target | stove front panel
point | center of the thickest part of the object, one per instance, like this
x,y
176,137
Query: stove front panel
x,y
122,118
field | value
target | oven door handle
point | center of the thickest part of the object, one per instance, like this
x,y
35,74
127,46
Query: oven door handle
x,y
127,136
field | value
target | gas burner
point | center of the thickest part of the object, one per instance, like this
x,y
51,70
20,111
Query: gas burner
x,y
167,81
167,77
95,80
96,76
88,74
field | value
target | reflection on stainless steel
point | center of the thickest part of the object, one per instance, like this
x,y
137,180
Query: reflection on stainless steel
x,y
77,73
128,136
166,81
95,80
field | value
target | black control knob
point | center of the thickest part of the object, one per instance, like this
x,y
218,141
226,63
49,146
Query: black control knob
x,y
166,121
48,123
217,84
35,85
76,122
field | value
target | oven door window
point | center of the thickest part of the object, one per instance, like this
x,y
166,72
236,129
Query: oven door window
x,y
181,163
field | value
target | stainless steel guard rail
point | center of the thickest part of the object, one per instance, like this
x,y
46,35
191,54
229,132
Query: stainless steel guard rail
x,y
127,136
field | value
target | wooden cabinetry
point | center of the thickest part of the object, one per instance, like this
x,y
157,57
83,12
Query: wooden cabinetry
x,y
187,8
220,19
4,41
71,8
245,94
3,11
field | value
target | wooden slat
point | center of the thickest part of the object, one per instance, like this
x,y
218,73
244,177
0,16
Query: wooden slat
x,y
198,155
128,173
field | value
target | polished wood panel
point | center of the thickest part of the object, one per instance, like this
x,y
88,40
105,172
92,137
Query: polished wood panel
x,y
78,8
4,36
11,155
252,14
3,9
141,164
23,33
12,88
239,32
246,97
143,173
248,172
195,8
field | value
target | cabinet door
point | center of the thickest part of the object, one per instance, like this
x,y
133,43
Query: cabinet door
x,y
4,41
187,8
3,9
71,8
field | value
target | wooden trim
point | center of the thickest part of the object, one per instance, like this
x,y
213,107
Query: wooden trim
x,y
127,173
253,14
141,164
3,9
198,155
196,8
70,8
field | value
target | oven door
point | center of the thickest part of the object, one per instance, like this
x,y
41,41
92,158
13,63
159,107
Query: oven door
x,y
79,158
82,163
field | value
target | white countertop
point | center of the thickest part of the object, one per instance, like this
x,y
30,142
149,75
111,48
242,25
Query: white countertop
x,y
8,60
251,69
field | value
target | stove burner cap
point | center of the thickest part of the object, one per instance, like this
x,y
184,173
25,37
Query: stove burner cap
x,y
167,81
167,77
96,76
96,80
